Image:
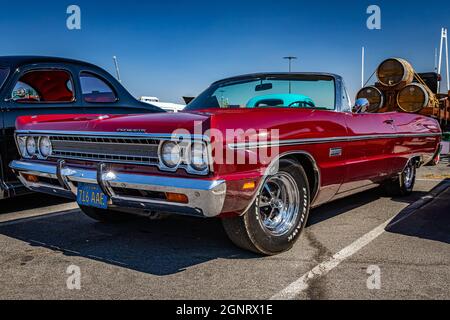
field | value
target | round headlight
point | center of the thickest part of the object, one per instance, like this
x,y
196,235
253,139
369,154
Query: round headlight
x,y
45,147
199,157
170,154
31,146
21,143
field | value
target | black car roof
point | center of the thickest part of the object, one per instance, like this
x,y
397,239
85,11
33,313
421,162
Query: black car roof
x,y
16,61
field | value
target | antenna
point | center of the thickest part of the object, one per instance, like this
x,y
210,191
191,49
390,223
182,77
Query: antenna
x,y
363,56
116,64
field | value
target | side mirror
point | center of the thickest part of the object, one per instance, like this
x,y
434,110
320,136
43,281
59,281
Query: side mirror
x,y
361,105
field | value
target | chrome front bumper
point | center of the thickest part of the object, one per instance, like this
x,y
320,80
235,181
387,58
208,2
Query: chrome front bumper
x,y
205,197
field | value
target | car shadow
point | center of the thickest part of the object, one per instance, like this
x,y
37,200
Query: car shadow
x,y
431,221
161,247
341,206
28,202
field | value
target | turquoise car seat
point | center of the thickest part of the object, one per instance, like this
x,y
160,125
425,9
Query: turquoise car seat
x,y
281,100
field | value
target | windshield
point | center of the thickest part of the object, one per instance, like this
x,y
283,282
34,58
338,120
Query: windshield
x,y
290,91
3,75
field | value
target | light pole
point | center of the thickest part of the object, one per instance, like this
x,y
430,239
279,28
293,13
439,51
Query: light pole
x,y
290,58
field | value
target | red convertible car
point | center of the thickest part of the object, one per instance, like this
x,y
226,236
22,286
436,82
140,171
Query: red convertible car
x,y
257,151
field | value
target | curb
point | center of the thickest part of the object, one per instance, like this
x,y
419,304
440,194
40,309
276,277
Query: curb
x,y
411,209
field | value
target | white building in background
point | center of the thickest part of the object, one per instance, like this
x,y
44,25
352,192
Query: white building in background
x,y
168,106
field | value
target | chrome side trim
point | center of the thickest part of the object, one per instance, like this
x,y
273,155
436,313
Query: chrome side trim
x,y
205,197
295,142
353,191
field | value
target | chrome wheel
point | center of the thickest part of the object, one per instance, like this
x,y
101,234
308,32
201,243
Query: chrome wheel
x,y
408,176
278,204
278,215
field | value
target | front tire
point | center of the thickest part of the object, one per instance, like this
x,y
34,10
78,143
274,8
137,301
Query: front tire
x,y
107,216
404,184
277,217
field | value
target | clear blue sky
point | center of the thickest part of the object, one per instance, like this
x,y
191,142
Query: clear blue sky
x,y
174,48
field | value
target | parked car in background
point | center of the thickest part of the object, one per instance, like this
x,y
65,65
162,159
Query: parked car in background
x,y
46,85
295,144
167,106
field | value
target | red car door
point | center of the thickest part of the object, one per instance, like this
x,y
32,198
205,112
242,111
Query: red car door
x,y
369,149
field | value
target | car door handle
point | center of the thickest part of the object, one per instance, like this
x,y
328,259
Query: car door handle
x,y
388,121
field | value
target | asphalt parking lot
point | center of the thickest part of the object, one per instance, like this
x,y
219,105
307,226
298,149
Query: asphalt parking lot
x,y
367,246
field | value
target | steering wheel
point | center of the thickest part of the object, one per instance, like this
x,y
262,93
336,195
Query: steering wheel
x,y
303,104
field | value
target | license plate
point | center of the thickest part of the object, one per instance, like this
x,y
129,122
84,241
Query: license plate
x,y
91,195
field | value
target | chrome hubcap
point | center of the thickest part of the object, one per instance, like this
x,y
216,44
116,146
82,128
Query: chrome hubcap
x,y
278,204
408,176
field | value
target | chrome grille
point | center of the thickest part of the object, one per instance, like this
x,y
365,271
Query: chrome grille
x,y
107,149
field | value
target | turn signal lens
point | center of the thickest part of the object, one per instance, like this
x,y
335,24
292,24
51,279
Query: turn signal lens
x,y
249,186
177,197
31,178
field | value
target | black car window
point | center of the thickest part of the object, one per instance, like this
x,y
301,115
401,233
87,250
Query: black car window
x,y
4,72
44,86
96,90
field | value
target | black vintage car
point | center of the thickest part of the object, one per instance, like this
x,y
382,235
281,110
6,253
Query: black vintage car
x,y
46,85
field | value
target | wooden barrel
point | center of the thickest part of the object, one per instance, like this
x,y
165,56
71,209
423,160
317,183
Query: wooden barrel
x,y
414,97
392,72
375,97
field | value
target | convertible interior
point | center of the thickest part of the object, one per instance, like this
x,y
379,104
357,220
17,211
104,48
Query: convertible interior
x,y
281,100
269,91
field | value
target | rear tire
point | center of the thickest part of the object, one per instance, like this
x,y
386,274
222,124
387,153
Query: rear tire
x,y
404,184
277,217
107,216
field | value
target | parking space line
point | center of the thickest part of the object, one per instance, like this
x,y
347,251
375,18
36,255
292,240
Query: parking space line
x,y
18,216
302,284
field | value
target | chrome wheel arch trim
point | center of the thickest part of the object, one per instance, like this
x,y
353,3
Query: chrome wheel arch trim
x,y
273,166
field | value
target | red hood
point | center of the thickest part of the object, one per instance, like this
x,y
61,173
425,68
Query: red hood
x,y
148,123
285,121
